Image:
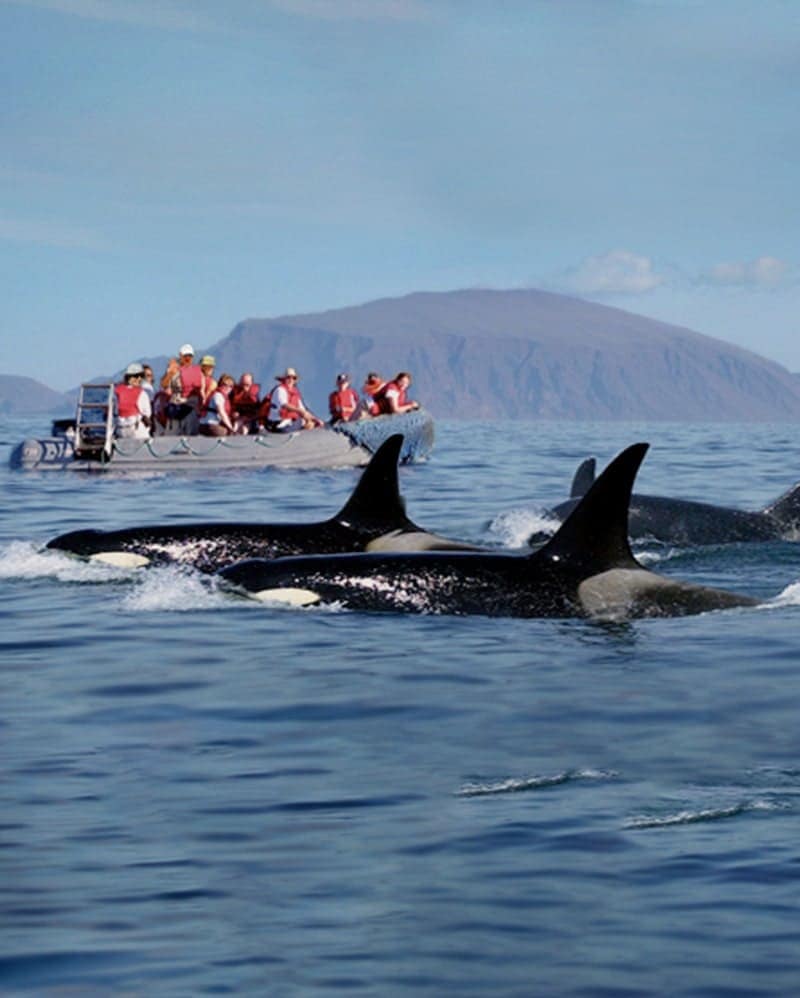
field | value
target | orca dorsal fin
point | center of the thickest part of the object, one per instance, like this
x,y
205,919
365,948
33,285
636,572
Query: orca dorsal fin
x,y
583,478
376,500
595,534
786,508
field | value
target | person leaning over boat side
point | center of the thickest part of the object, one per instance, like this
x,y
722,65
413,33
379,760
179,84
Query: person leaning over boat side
x,y
217,420
292,412
373,384
132,410
245,402
391,399
343,403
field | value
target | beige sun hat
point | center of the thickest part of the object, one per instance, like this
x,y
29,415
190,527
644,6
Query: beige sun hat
x,y
288,373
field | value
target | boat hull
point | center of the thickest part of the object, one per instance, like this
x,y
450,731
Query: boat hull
x,y
347,445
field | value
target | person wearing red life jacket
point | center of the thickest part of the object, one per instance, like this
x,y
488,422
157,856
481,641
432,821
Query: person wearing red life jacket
x,y
343,403
373,384
217,417
245,402
392,400
183,381
292,413
132,410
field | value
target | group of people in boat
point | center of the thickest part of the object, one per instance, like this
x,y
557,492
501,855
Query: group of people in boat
x,y
189,399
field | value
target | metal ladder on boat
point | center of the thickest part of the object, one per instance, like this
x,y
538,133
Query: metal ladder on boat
x,y
94,421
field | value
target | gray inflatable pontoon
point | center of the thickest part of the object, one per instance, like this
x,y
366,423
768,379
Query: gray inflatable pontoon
x,y
345,445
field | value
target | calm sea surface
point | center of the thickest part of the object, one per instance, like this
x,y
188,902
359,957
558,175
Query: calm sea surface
x,y
200,795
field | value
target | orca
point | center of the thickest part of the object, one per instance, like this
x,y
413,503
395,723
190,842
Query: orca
x,y
684,523
586,570
373,517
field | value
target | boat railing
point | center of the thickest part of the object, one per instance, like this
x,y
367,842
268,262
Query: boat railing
x,y
94,421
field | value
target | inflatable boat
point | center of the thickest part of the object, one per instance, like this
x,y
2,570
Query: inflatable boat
x,y
87,443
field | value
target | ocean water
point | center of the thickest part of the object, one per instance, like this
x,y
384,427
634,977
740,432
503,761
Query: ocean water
x,y
204,795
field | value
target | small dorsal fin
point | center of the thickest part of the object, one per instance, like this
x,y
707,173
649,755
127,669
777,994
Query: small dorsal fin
x,y
595,534
786,508
583,479
376,500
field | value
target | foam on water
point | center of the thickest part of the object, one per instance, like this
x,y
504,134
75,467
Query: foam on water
x,y
24,560
691,816
173,588
519,785
790,596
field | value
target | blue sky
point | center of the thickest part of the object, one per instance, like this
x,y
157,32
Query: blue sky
x,y
170,167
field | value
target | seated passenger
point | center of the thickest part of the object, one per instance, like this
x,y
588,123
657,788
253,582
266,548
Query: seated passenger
x,y
391,398
372,385
208,383
245,402
343,403
148,384
216,420
292,413
132,412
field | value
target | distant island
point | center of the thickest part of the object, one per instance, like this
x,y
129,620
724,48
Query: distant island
x,y
510,355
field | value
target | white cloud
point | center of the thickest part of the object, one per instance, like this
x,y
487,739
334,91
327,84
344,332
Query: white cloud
x,y
764,272
618,272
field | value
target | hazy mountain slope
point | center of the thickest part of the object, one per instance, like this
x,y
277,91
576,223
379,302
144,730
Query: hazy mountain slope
x,y
20,395
521,355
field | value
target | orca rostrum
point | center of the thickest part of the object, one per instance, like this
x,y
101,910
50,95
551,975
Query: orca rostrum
x,y
373,518
586,570
683,522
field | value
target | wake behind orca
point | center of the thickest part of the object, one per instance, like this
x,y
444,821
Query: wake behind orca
x,y
373,517
587,569
682,522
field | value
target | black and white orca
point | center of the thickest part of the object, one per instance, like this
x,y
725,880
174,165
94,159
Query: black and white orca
x,y
373,518
682,522
586,570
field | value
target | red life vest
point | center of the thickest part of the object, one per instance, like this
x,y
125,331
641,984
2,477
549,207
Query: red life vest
x,y
383,403
294,398
245,400
127,400
371,389
192,380
342,403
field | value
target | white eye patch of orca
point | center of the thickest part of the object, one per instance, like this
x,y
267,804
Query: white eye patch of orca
x,y
120,559
288,596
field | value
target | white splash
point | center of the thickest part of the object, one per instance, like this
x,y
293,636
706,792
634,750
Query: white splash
x,y
518,785
515,526
789,597
23,560
690,816
175,589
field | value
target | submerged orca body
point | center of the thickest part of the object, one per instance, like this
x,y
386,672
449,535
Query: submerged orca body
x,y
373,518
587,569
682,522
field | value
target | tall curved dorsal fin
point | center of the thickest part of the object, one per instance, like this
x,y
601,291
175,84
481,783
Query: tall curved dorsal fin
x,y
376,500
595,534
584,478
